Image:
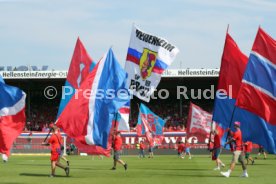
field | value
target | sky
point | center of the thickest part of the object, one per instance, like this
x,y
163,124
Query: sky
x,y
44,32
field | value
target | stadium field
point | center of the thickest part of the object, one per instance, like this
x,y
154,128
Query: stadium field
x,y
161,169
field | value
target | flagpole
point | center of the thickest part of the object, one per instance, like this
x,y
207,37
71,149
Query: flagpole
x,y
115,123
230,124
48,134
227,29
209,142
138,107
212,124
138,113
49,131
114,130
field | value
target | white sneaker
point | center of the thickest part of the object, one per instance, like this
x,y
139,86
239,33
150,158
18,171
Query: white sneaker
x,y
226,174
244,175
190,158
216,169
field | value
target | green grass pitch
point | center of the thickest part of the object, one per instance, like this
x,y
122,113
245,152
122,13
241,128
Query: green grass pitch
x,y
161,169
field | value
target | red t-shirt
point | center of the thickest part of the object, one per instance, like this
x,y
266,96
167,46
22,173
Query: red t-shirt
x,y
142,146
210,145
54,141
237,136
248,147
181,148
217,143
118,143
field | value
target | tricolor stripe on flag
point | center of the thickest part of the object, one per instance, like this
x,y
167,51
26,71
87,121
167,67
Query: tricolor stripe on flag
x,y
258,90
254,128
12,115
123,118
147,58
134,56
80,66
88,117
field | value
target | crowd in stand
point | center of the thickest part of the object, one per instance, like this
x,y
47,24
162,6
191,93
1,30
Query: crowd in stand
x,y
41,116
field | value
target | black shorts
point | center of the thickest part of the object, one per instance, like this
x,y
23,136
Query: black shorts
x,y
117,155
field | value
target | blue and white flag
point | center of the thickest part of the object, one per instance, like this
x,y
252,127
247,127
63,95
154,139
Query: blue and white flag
x,y
88,115
123,117
150,124
12,115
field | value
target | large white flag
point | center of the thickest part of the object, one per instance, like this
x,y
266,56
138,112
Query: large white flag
x,y
148,56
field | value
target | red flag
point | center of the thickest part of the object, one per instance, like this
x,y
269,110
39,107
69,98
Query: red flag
x,y
148,131
199,123
257,93
80,65
88,117
151,137
12,115
97,150
233,64
93,150
10,128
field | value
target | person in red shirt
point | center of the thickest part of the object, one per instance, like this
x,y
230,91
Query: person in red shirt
x,y
142,149
217,150
180,149
117,147
55,142
247,150
237,153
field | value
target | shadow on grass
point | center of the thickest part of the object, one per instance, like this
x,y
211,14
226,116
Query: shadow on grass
x,y
87,168
186,175
174,169
42,175
34,164
13,183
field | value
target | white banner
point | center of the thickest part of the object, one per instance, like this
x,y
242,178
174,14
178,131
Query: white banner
x,y
147,58
199,122
62,74
33,74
